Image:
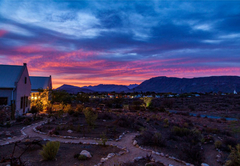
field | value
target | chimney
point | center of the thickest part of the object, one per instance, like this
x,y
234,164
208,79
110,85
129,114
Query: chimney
x,y
24,64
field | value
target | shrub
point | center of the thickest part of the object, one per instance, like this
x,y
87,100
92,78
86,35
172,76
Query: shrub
x,y
158,140
166,123
8,124
151,138
218,144
229,141
70,112
82,157
90,116
103,139
27,121
79,108
180,131
192,153
34,110
234,156
50,150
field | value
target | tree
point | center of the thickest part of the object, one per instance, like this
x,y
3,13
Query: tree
x,y
90,116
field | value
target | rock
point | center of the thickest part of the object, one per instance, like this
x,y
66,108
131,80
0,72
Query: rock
x,y
110,155
204,164
103,160
218,156
121,153
134,142
137,158
86,153
69,131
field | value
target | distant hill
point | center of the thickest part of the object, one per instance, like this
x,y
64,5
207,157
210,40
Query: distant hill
x,y
108,88
226,84
131,86
73,89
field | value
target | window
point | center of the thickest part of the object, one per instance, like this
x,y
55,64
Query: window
x,y
26,101
3,100
25,80
21,102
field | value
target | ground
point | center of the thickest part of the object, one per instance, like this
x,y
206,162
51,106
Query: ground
x,y
189,138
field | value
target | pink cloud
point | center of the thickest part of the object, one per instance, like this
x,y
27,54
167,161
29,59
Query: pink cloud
x,y
3,32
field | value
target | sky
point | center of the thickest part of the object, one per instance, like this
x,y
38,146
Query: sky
x,y
123,42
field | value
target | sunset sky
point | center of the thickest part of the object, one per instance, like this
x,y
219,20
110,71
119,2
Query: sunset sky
x,y
120,42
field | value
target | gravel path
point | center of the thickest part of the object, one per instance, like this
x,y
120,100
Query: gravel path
x,y
126,141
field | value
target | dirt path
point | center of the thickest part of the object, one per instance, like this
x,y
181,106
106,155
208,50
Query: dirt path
x,y
126,141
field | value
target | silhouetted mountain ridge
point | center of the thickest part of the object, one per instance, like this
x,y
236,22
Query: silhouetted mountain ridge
x,y
226,84
108,88
73,89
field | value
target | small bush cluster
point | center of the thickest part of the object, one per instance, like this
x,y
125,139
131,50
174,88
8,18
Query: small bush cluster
x,y
180,131
80,157
152,139
50,150
90,116
192,153
218,144
234,157
166,123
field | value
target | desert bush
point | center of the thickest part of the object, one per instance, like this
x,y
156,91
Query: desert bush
x,y
27,121
158,140
68,108
103,139
229,141
192,153
166,123
34,110
180,131
152,139
90,116
212,130
8,124
218,144
234,157
79,108
124,121
50,150
82,157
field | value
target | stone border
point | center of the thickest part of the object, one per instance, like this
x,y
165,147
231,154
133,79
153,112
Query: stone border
x,y
71,137
123,151
23,136
160,154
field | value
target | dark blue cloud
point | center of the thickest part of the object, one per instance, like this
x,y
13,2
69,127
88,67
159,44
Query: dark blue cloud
x,y
199,33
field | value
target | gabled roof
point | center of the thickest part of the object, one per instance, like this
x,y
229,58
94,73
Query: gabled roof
x,y
40,82
10,74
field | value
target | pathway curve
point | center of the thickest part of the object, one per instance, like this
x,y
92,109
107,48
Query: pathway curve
x,y
126,141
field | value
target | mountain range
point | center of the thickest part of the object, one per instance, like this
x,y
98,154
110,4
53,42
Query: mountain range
x,y
163,84
226,84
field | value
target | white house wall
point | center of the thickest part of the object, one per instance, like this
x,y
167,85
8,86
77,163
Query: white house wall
x,y
23,90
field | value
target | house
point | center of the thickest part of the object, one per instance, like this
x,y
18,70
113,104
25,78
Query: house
x,y
15,88
40,89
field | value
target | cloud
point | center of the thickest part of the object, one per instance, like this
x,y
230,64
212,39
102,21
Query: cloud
x,y
91,42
